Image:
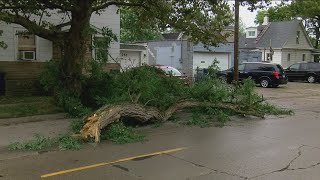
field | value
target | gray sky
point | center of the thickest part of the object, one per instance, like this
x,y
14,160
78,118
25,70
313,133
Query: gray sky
x,y
247,16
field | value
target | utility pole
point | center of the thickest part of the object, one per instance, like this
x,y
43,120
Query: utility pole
x,y
236,42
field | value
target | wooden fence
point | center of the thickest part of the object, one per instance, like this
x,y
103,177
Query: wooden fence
x,y
21,77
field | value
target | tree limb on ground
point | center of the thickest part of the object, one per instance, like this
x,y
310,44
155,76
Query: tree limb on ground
x,y
113,113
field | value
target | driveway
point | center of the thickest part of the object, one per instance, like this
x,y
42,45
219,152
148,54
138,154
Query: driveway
x,y
285,147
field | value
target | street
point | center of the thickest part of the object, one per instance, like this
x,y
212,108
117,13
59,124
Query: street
x,y
284,147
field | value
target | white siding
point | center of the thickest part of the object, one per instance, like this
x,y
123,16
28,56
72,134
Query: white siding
x,y
44,49
276,58
295,56
205,59
8,37
108,18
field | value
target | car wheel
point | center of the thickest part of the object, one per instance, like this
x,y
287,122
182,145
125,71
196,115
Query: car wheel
x,y
265,83
311,79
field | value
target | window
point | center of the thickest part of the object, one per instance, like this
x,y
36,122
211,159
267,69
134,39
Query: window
x,y
279,68
26,45
303,66
172,71
295,67
252,33
314,66
289,56
298,37
303,57
252,67
241,67
203,62
266,68
269,57
100,52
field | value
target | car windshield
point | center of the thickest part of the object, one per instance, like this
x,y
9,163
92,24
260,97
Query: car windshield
x,y
172,71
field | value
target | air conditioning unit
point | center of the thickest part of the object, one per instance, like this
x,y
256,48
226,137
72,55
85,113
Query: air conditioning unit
x,y
28,55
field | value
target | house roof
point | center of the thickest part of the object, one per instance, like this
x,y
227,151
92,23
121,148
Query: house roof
x,y
132,46
171,36
277,33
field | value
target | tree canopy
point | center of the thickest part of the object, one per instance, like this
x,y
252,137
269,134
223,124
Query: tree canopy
x,y
277,13
133,30
201,20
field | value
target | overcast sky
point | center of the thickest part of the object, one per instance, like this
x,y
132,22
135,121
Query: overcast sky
x,y
247,16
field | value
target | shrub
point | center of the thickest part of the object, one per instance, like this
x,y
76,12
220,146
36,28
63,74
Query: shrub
x,y
121,134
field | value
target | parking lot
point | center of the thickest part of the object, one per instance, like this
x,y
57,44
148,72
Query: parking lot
x,y
285,147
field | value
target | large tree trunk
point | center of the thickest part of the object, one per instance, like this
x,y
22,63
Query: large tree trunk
x,y
113,113
317,32
76,46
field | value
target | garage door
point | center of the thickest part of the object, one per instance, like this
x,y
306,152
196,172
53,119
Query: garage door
x,y
204,60
129,59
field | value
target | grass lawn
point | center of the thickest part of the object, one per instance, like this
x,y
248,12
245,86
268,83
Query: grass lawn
x,y
11,106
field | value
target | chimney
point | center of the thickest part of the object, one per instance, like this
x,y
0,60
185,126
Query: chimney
x,y
265,19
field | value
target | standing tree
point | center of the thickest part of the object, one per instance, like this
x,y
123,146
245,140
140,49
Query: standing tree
x,y
133,30
277,13
201,20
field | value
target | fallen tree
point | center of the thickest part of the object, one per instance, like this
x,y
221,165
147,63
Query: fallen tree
x,y
146,94
113,113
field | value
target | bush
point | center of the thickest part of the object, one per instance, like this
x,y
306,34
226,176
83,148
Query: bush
x,y
121,134
64,142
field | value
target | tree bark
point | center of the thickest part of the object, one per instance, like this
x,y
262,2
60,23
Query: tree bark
x,y
76,46
113,113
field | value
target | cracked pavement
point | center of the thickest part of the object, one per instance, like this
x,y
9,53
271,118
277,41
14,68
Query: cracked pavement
x,y
275,148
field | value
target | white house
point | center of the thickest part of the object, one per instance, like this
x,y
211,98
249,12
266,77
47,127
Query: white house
x,y
284,42
133,55
37,49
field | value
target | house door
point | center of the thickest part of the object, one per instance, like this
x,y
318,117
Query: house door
x,y
169,56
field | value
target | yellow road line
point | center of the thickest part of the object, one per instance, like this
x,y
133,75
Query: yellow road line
x,y
109,163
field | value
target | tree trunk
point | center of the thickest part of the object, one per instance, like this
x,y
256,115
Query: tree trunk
x,y
76,46
113,113
317,32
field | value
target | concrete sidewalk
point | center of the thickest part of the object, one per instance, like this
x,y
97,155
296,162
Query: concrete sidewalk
x,y
23,129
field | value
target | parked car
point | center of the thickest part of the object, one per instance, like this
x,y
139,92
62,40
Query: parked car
x,y
305,71
170,71
265,74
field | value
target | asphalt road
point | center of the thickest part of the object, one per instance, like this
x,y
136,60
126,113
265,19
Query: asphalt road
x,y
286,147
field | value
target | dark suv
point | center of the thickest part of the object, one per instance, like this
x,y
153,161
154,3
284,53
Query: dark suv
x,y
265,74
306,71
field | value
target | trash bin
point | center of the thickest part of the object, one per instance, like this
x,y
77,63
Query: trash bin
x,y
2,84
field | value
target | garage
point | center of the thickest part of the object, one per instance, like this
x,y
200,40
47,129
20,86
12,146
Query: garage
x,y
205,59
130,59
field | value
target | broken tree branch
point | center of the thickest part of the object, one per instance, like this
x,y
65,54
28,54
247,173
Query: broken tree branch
x,y
113,113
